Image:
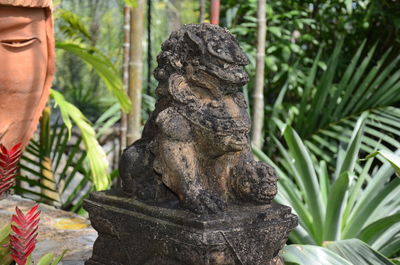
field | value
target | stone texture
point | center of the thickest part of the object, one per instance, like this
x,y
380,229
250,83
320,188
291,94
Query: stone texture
x,y
135,233
58,230
195,147
192,193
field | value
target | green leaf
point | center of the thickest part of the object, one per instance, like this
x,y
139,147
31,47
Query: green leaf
x,y
324,181
271,63
4,232
395,261
46,259
311,255
72,25
334,209
321,101
29,259
275,30
6,259
104,68
5,254
68,165
390,249
131,3
357,252
304,167
392,158
356,190
95,154
373,195
337,98
351,154
58,259
308,89
370,233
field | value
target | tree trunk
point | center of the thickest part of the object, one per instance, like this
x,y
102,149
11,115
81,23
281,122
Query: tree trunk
x,y
125,71
258,94
136,72
215,5
202,10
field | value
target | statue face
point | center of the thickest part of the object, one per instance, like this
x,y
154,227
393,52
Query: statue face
x,y
23,70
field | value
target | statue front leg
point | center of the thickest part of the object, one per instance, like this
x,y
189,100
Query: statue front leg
x,y
178,166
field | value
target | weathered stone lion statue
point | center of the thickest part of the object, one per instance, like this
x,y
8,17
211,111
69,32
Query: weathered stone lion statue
x,y
195,146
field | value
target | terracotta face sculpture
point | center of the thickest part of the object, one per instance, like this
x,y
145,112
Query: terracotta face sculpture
x,y
26,67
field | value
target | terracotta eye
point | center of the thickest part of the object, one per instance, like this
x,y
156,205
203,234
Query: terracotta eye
x,y
18,43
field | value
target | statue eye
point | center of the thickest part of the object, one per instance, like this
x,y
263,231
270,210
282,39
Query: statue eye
x,y
19,43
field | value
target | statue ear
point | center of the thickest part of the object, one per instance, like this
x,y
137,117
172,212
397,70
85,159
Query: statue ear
x,y
180,90
195,42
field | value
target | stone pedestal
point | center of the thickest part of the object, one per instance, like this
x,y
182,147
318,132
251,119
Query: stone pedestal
x,y
134,233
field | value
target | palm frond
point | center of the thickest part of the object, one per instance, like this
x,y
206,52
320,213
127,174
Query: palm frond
x,y
72,25
104,68
95,154
72,175
332,102
355,203
343,252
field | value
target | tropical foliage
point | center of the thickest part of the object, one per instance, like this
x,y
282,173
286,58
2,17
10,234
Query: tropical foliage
x,y
332,114
61,167
344,252
335,194
330,105
342,204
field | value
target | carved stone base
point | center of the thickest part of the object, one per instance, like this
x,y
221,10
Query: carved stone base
x,y
134,233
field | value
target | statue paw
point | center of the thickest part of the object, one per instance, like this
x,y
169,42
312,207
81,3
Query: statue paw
x,y
205,202
256,181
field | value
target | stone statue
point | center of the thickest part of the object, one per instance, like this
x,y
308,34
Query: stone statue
x,y
195,147
26,67
192,194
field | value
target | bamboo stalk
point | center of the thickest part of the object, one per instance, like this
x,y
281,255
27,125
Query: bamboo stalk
x,y
125,77
202,10
149,54
174,10
258,94
136,72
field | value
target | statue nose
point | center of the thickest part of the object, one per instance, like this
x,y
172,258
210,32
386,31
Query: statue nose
x,y
239,75
242,76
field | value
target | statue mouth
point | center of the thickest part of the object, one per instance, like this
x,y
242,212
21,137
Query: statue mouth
x,y
221,126
233,74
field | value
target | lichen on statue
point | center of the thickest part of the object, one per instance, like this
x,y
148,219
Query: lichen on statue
x,y
26,67
195,147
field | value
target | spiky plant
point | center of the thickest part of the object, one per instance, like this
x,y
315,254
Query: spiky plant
x,y
23,238
8,166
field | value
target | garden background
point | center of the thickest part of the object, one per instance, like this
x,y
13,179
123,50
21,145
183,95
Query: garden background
x,y
329,120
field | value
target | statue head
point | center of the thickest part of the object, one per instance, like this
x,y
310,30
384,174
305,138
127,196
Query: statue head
x,y
200,53
26,67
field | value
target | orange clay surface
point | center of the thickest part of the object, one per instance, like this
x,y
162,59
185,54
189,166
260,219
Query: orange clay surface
x,y
26,70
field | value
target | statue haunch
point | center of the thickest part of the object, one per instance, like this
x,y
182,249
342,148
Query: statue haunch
x,y
195,146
